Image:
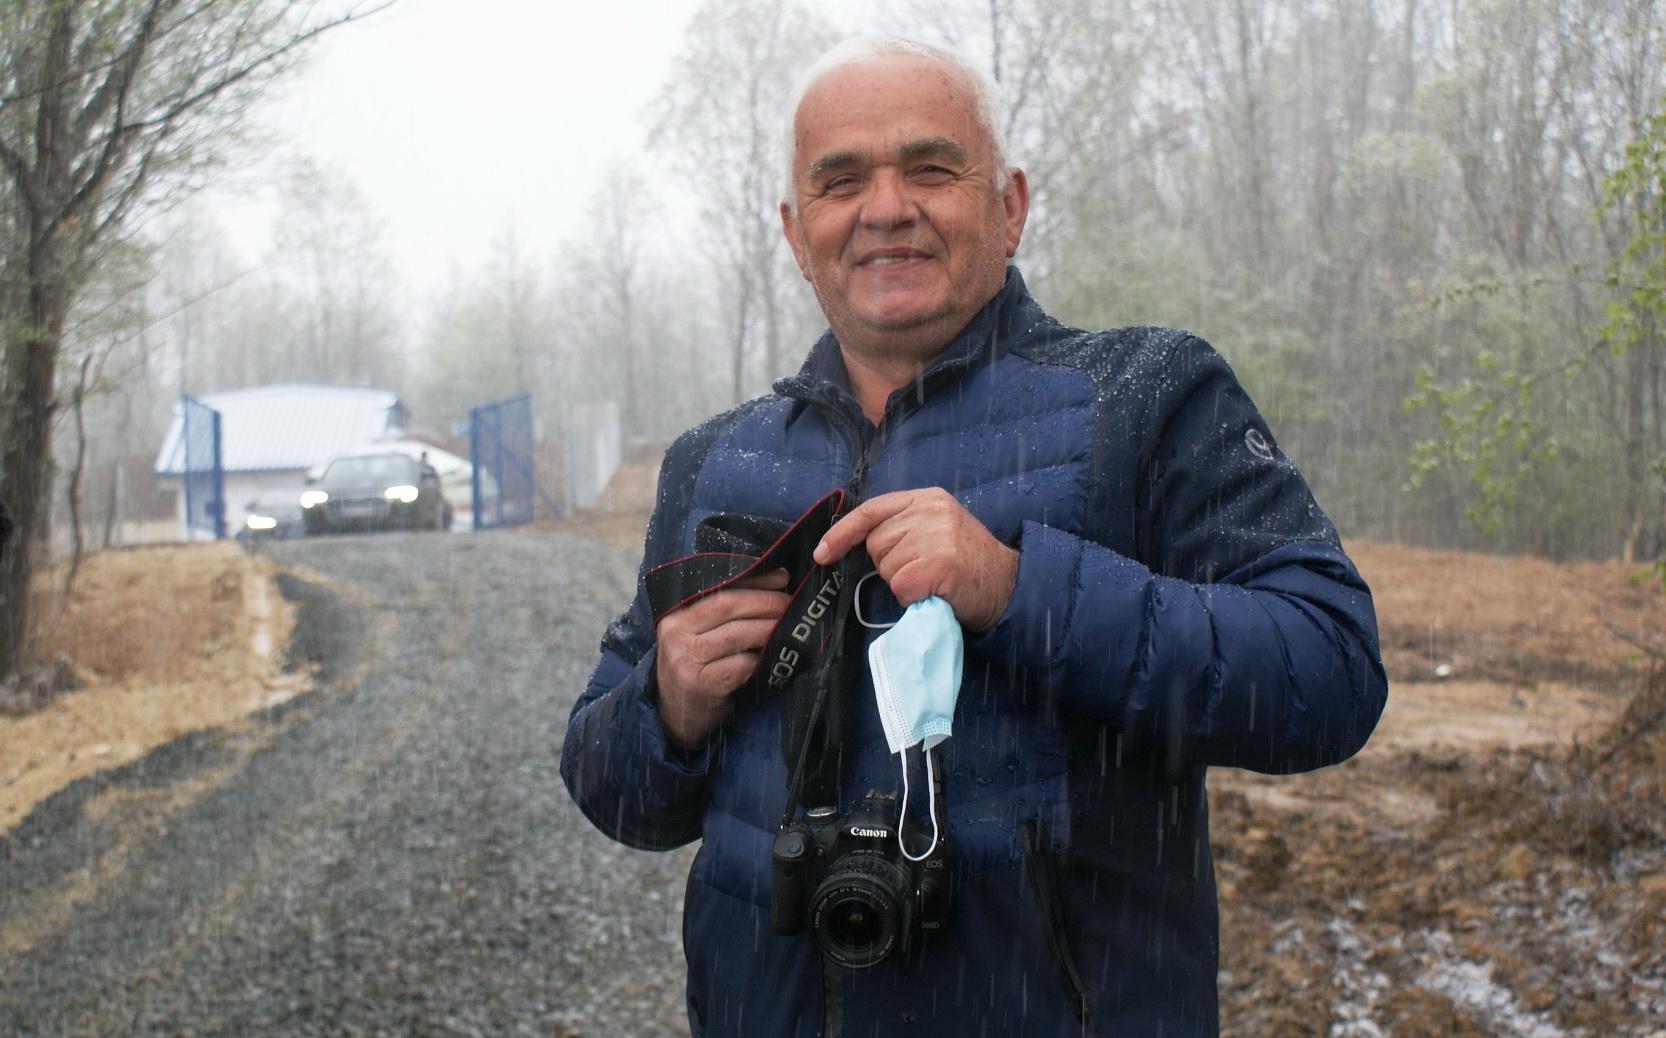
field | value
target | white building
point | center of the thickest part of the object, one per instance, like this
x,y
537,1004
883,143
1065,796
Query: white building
x,y
271,436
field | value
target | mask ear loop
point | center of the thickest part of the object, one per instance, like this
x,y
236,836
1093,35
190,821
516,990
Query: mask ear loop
x,y
902,813
856,603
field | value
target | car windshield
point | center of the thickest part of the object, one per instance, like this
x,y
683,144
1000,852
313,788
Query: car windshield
x,y
288,497
389,468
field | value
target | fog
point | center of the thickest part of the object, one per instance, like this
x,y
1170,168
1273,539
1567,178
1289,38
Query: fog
x,y
1394,233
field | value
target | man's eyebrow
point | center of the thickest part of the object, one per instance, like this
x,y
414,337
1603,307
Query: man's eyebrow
x,y
932,147
828,163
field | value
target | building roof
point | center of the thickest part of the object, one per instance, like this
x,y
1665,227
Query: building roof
x,y
288,426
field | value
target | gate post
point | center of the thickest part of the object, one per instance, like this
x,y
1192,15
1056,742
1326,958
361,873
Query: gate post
x,y
202,477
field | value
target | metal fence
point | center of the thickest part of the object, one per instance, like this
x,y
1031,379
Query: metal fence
x,y
203,477
500,449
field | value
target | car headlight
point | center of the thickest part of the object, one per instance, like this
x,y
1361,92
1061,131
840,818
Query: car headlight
x,y
313,498
403,492
260,522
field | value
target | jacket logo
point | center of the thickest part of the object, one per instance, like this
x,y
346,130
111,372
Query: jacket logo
x,y
1258,445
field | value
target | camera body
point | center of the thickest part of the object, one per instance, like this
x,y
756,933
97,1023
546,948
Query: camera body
x,y
847,879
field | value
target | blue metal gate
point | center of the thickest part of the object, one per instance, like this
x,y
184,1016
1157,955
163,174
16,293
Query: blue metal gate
x,y
500,449
203,477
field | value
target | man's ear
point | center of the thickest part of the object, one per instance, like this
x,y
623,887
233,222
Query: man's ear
x,y
1015,198
794,233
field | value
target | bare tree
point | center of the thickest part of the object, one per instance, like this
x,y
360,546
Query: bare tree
x,y
331,256
490,335
723,121
106,107
635,322
622,214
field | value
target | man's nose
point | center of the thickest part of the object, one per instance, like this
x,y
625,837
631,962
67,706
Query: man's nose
x,y
889,203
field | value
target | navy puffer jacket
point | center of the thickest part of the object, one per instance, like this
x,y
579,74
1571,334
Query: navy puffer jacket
x,y
1181,602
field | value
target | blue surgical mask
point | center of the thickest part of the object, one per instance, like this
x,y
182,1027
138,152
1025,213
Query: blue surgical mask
x,y
916,667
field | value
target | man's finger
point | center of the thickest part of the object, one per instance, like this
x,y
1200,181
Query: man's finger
x,y
853,529
914,581
886,537
769,580
736,636
733,604
731,672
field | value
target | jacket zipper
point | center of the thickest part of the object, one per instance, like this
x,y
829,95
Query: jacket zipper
x,y
826,399
1044,884
863,449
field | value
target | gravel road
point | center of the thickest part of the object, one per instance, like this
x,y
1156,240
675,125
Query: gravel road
x,y
392,853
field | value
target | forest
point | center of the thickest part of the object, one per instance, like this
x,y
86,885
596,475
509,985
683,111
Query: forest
x,y
1429,235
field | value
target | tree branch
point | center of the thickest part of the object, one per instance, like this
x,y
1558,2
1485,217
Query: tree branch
x,y
115,145
230,79
114,89
1650,647
19,170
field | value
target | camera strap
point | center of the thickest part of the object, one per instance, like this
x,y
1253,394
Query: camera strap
x,y
813,721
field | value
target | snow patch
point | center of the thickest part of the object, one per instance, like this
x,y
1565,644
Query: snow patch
x,y
1470,986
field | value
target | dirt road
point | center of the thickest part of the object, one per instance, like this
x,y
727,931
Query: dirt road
x,y
390,854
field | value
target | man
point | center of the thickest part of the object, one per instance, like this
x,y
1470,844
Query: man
x,y
1144,585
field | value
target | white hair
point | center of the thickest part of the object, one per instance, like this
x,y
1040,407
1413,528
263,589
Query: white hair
x,y
861,49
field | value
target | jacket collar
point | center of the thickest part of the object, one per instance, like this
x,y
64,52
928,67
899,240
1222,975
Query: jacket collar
x,y
987,336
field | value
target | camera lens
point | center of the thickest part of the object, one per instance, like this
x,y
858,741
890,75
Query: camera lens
x,y
861,909
856,922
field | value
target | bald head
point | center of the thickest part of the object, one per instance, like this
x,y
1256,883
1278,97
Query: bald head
x,y
860,50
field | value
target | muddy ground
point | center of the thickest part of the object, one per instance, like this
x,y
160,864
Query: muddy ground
x,y
1493,864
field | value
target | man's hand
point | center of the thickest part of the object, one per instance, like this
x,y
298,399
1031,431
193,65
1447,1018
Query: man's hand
x,y
924,543
708,649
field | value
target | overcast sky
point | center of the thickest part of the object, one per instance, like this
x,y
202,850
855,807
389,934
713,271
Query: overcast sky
x,y
456,117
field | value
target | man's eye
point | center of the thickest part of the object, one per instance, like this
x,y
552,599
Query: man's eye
x,y
841,185
931,175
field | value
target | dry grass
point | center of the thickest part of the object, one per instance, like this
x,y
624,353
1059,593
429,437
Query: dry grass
x,y
162,641
149,613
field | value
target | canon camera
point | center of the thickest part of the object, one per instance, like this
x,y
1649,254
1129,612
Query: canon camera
x,y
848,880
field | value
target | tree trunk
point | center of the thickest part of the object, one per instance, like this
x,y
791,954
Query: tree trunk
x,y
1636,447
112,506
772,315
743,313
77,542
113,501
26,453
1634,535
627,351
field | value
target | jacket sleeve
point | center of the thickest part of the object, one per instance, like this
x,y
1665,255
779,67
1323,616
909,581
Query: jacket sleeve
x,y
1242,636
619,768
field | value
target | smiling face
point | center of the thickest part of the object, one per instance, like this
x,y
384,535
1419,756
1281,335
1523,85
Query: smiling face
x,y
899,225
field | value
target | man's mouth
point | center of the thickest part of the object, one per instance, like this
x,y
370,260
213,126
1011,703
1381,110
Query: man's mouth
x,y
891,257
